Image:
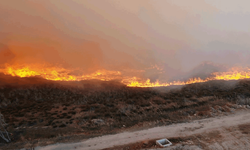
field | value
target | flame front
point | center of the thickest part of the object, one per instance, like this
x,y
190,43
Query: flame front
x,y
56,73
233,74
62,74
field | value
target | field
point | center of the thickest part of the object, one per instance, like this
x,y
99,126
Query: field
x,y
41,112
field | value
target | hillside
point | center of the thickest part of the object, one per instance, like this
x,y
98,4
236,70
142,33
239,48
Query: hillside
x,y
37,110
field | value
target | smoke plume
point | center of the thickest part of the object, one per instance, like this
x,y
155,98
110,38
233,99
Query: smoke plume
x,y
154,39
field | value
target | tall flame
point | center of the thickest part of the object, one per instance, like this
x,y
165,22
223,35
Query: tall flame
x,y
62,74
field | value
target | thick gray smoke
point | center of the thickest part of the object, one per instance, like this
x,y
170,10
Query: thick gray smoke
x,y
129,36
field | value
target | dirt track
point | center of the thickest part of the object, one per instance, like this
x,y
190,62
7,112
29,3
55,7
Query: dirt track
x,y
175,130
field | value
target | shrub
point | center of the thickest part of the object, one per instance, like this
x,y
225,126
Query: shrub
x,y
3,133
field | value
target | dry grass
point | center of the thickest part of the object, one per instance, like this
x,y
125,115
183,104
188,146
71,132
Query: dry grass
x,y
57,105
245,128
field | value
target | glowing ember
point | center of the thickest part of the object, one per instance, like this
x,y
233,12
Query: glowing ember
x,y
62,74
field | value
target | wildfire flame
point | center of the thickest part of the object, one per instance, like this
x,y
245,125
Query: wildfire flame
x,y
62,74
56,73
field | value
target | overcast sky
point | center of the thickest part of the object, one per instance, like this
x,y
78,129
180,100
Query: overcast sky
x,y
126,35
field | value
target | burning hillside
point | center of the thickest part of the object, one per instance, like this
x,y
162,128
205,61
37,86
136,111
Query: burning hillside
x,y
86,40
49,109
83,66
62,74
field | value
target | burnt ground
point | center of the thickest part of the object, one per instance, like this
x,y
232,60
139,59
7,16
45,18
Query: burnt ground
x,y
38,110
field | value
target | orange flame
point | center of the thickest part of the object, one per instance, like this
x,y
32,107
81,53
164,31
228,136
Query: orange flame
x,y
56,73
233,74
62,74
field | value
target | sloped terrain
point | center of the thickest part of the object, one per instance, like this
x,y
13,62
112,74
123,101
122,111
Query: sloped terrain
x,y
36,109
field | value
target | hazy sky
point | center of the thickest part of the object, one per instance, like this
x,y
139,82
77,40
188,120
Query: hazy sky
x,y
126,35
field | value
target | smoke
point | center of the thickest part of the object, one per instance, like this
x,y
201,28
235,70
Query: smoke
x,y
5,54
128,36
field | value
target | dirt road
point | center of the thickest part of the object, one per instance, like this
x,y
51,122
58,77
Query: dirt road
x,y
175,130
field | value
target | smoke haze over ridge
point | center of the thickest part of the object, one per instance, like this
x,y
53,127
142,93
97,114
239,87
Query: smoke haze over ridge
x,y
128,36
